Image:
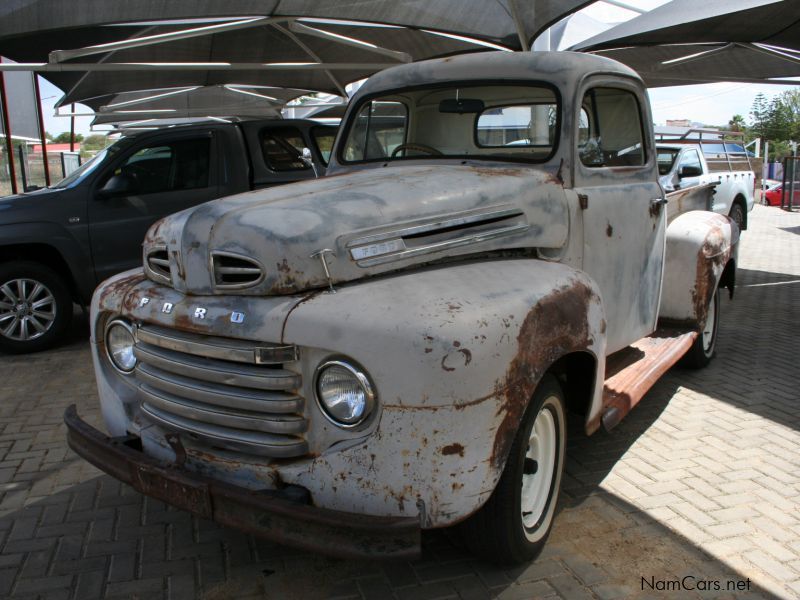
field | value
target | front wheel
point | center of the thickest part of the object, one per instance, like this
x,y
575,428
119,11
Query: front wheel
x,y
702,351
514,524
35,307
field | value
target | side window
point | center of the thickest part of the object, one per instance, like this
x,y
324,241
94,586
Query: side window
x,y
282,148
323,137
180,165
610,129
691,160
377,130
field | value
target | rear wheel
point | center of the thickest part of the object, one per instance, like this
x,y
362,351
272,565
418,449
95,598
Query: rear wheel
x,y
515,522
702,351
35,307
737,215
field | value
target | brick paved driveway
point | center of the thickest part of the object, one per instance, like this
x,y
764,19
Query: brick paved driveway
x,y
701,480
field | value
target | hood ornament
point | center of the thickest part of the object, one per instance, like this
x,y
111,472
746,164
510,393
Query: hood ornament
x,y
321,254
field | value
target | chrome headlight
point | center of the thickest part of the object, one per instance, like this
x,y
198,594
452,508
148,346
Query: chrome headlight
x,y
119,345
344,393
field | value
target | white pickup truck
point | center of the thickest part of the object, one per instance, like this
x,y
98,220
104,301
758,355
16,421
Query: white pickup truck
x,y
342,363
685,165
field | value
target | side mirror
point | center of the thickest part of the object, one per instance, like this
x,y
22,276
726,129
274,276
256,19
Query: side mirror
x,y
120,184
689,171
306,157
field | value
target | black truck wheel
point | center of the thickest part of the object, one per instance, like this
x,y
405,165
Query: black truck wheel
x,y
702,351
35,307
514,524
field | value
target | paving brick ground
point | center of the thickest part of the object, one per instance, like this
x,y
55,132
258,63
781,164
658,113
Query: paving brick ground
x,y
701,480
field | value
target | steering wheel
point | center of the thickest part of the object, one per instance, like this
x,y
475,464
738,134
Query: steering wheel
x,y
418,147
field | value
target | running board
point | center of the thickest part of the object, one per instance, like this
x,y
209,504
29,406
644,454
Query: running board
x,y
632,371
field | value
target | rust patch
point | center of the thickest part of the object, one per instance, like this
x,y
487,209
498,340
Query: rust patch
x,y
609,230
467,356
557,325
454,448
284,267
496,171
120,287
711,258
176,257
444,366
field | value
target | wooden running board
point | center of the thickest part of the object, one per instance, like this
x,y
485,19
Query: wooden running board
x,y
632,371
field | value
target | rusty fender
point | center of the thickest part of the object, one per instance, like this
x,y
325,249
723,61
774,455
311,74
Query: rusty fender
x,y
707,240
455,354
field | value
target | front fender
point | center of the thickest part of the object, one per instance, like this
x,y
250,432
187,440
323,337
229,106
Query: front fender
x,y
455,354
700,245
81,268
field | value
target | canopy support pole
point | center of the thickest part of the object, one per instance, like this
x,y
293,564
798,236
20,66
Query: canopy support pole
x,y
7,130
42,133
58,56
523,38
333,37
313,56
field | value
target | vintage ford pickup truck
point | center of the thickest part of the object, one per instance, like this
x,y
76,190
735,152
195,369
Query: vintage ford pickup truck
x,y
341,363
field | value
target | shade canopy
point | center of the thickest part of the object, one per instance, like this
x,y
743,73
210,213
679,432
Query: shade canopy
x,y
319,45
497,21
685,42
213,101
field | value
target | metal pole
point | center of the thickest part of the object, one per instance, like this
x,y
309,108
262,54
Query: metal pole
x,y
23,174
7,129
765,173
783,180
42,135
794,175
72,131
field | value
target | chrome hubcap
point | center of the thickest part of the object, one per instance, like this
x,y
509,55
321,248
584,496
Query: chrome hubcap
x,y
27,309
540,460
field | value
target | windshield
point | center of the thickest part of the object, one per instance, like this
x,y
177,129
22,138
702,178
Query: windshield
x,y
666,158
491,122
81,172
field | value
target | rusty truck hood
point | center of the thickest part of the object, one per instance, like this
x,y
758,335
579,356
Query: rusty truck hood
x,y
370,222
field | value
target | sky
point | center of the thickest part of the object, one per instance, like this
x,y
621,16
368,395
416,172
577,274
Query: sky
x,y
710,104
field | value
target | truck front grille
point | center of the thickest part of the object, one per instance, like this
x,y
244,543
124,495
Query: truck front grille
x,y
228,393
156,264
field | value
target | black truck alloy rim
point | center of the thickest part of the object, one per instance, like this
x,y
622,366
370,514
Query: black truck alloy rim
x,y
27,309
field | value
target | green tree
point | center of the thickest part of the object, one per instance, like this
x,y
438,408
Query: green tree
x,y
760,111
63,138
95,142
736,123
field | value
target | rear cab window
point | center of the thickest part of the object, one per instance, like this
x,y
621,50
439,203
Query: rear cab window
x,y
282,148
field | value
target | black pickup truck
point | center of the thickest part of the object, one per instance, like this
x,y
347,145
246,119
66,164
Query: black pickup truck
x,y
58,243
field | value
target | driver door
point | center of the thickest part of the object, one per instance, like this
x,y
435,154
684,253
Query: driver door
x,y
624,222
153,180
